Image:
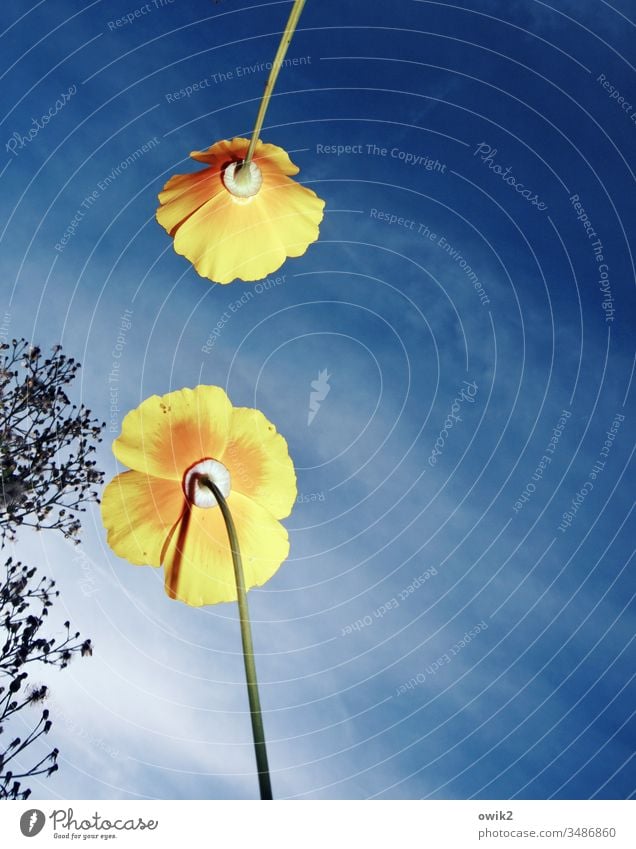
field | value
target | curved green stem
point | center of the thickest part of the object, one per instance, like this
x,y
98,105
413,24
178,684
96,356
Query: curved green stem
x,y
273,75
258,730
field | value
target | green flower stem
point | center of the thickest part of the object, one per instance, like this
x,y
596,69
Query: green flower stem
x,y
273,75
258,731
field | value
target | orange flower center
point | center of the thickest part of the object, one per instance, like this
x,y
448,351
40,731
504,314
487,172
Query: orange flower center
x,y
195,482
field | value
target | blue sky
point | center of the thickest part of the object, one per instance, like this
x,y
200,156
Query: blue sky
x,y
431,635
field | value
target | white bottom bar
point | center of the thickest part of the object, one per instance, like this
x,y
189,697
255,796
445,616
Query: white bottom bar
x,y
320,825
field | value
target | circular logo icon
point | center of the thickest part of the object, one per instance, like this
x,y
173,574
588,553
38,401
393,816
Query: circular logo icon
x,y
32,822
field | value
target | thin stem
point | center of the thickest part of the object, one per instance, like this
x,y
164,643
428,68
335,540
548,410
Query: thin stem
x,y
273,75
258,731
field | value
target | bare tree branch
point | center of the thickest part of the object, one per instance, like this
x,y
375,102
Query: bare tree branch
x,y
47,475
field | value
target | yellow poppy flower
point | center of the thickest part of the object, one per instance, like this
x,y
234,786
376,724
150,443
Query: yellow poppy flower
x,y
161,512
232,221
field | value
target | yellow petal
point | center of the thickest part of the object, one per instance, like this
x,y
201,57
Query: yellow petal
x,y
183,194
258,461
268,157
250,238
167,434
138,512
198,560
226,150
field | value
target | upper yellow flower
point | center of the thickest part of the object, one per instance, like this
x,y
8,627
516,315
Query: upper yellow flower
x,y
171,443
240,222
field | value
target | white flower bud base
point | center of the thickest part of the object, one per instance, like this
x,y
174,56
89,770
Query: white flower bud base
x,y
242,181
194,486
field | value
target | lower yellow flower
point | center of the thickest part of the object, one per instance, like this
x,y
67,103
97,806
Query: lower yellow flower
x,y
162,512
240,222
